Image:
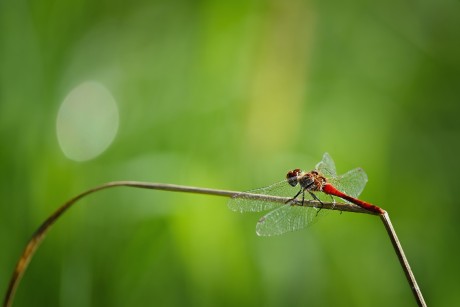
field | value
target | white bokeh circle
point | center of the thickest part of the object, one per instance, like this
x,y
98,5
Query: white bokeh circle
x,y
87,121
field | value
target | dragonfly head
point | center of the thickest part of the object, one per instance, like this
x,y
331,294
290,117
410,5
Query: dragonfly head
x,y
292,177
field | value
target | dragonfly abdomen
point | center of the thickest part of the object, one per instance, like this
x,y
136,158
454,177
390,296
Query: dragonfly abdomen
x,y
330,189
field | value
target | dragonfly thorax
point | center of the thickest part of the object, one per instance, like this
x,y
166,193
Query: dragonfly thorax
x,y
310,181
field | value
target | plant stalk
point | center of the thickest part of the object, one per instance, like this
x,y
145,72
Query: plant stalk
x,y
39,235
403,260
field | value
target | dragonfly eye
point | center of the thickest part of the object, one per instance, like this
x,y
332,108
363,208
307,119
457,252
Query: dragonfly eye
x,y
292,177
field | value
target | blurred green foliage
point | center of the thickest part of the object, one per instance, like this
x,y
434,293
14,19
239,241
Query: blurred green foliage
x,y
231,94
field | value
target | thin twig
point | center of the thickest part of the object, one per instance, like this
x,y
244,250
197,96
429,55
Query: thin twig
x,y
403,260
40,233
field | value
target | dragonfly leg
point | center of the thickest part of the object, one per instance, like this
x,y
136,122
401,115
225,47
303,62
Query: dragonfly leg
x,y
316,198
333,201
295,196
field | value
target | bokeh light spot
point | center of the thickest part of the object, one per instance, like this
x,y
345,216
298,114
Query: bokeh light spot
x,y
87,121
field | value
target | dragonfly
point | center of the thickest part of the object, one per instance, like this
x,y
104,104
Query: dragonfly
x,y
321,184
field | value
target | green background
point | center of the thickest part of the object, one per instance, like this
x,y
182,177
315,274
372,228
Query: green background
x,y
231,95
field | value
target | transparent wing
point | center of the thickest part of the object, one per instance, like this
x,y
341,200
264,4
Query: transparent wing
x,y
351,183
327,166
287,218
244,203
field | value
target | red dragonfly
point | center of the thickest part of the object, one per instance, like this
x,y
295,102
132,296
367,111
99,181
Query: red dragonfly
x,y
320,183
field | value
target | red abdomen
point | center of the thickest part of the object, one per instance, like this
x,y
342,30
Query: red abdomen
x,y
331,190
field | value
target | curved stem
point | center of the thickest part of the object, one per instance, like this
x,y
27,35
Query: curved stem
x,y
39,235
403,260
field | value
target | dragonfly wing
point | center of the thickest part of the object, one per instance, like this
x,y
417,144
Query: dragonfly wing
x,y
351,183
246,203
286,218
327,166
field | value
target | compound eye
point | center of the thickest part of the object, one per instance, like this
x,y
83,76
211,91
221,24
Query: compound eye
x,y
291,177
